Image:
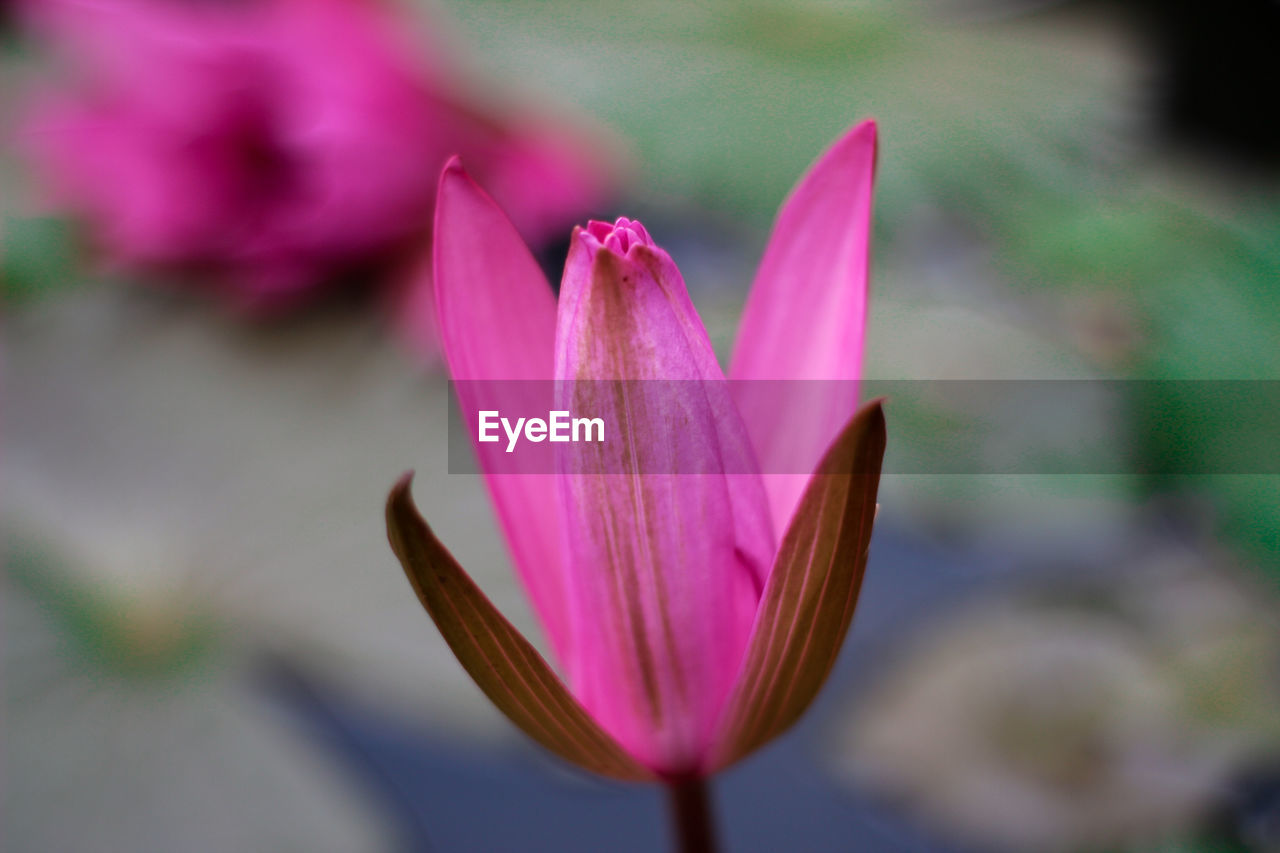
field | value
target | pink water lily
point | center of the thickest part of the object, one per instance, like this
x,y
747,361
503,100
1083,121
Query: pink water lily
x,y
275,146
694,617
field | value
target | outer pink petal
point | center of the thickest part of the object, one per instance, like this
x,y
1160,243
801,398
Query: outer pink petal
x,y
497,321
664,569
804,319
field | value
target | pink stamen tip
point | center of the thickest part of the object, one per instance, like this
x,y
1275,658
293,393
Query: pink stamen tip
x,y
618,237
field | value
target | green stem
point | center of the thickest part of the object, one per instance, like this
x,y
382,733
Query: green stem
x,y
691,815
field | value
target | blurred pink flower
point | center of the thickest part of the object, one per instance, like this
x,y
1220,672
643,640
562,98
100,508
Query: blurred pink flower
x,y
274,144
695,616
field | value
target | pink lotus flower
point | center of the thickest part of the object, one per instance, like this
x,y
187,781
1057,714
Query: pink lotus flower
x,y
688,631
276,144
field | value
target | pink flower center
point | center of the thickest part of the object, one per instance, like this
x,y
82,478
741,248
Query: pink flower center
x,y
618,237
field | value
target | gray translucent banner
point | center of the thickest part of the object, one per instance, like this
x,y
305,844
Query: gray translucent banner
x,y
935,427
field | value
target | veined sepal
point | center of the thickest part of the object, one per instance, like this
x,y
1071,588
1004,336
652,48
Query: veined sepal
x,y
811,594
503,664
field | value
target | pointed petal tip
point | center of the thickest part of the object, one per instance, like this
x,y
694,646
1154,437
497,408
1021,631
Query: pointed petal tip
x,y
873,409
399,505
871,131
454,174
401,491
453,166
863,136
866,429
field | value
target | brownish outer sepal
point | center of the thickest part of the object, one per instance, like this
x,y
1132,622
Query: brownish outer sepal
x,y
498,658
809,599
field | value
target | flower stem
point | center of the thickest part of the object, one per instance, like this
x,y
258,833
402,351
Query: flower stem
x,y
691,815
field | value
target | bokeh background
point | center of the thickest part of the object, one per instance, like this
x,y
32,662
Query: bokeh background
x,y
218,355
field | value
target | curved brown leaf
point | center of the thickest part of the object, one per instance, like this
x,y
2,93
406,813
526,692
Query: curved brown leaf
x,y
809,600
496,656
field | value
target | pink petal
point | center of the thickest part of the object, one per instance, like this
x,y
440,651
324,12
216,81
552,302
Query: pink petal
x,y
664,569
804,319
497,321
